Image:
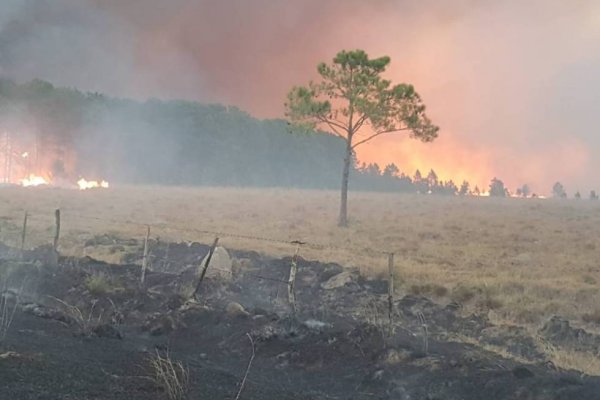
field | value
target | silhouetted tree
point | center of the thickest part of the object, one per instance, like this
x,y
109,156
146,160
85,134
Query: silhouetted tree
x,y
464,189
497,188
421,185
352,94
593,195
558,191
390,170
447,188
432,180
577,195
476,191
417,177
523,191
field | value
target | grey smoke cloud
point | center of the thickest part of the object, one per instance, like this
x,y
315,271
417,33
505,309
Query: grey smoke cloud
x,y
513,84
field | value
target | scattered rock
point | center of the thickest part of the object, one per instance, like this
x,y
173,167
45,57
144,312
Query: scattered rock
x,y
10,355
339,280
47,313
315,325
161,324
221,266
395,356
235,310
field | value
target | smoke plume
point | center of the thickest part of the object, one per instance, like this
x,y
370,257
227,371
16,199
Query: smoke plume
x,y
512,84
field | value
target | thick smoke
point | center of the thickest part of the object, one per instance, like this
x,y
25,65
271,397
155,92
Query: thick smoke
x,y
512,84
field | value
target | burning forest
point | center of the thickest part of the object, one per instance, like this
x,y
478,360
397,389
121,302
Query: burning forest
x,y
34,167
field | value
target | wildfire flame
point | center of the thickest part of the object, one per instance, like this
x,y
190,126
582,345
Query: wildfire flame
x,y
33,180
85,184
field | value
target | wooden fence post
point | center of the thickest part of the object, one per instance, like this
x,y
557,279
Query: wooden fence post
x,y
206,264
145,256
292,280
390,286
24,232
57,231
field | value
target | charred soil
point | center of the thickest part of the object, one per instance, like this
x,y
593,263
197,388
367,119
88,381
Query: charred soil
x,y
88,330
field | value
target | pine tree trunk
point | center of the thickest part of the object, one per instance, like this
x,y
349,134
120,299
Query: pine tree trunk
x,y
343,219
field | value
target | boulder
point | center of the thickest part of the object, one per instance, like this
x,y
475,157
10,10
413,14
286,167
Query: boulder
x,y
221,266
234,310
339,280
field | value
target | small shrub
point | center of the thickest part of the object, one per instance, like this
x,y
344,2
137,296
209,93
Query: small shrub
x,y
171,376
97,284
7,312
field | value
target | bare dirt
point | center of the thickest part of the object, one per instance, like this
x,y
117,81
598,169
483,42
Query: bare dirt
x,y
71,339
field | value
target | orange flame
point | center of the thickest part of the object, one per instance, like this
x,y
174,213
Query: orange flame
x,y
33,180
85,184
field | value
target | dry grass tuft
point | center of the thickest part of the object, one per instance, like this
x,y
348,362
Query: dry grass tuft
x,y
7,311
85,321
97,284
171,376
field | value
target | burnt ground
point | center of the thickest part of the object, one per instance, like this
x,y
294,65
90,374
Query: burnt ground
x,y
71,339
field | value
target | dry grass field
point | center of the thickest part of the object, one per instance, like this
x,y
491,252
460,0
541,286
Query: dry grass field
x,y
519,260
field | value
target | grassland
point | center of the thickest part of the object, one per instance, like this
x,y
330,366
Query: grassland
x,y
520,260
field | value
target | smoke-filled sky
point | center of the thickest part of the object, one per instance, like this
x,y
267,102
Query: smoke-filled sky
x,y
513,84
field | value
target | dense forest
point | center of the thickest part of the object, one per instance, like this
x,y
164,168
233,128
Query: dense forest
x,y
165,142
187,143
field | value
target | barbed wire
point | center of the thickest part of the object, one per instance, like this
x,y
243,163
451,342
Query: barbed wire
x,y
217,233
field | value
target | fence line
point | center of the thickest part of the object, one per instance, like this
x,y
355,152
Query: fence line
x,y
290,282
223,234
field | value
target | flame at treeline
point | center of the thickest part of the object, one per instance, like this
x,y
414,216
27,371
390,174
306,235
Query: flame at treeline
x,y
38,167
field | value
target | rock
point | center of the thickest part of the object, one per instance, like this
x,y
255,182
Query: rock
x,y
339,280
315,325
395,356
47,313
158,324
220,267
235,310
522,373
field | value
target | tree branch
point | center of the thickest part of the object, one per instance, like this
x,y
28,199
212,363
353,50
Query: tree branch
x,y
360,123
333,125
377,134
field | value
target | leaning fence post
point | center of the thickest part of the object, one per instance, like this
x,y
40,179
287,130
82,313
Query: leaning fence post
x,y
53,260
292,280
145,256
390,286
57,230
24,232
206,264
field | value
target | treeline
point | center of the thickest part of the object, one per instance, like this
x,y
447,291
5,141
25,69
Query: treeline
x,y
188,143
164,142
